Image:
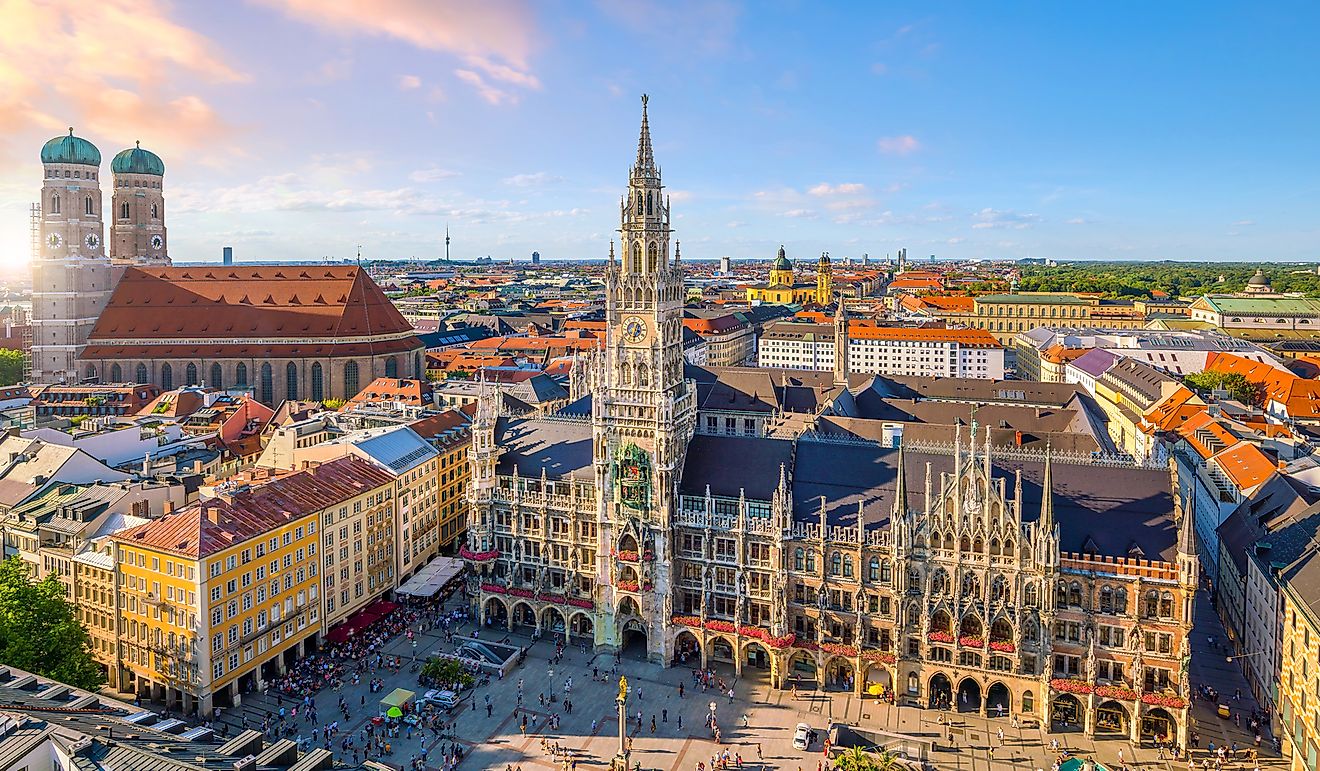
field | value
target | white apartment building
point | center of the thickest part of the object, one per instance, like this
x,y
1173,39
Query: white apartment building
x,y
971,353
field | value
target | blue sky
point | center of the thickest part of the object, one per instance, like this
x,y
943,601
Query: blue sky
x,y
299,129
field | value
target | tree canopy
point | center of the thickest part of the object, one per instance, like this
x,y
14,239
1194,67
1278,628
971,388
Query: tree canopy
x,y
11,366
1139,279
39,629
1235,383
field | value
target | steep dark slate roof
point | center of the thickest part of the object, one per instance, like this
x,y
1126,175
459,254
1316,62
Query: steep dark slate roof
x,y
561,447
1117,510
734,464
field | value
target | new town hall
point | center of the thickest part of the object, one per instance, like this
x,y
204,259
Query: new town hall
x,y
660,515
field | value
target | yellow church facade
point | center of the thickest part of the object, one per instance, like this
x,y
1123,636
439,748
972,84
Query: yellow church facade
x,y
782,289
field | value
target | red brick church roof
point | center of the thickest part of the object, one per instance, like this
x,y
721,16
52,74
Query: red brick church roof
x,y
316,304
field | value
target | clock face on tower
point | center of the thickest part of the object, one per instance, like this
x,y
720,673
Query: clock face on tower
x,y
92,241
54,240
157,242
634,329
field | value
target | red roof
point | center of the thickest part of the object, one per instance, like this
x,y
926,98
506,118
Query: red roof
x,y
392,389
321,303
219,523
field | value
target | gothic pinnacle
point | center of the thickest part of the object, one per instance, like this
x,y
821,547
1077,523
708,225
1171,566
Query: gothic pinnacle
x,y
645,157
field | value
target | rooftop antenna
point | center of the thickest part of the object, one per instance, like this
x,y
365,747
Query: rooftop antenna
x,y
359,255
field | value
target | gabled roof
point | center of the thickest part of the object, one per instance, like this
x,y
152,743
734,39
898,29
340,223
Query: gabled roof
x,y
1245,464
1299,397
216,524
247,302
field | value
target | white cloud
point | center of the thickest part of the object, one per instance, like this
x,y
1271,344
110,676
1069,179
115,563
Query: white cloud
x,y
736,224
1077,221
409,82
905,144
1244,223
844,188
492,95
988,218
800,214
532,180
431,175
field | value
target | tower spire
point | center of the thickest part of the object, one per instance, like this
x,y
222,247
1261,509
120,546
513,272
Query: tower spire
x,y
645,157
1047,495
900,484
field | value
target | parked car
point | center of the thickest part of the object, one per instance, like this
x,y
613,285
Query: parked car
x,y
802,736
442,699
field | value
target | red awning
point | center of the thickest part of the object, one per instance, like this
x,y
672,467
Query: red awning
x,y
358,621
381,607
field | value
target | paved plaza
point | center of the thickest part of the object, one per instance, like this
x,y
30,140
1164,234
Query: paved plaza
x,y
757,724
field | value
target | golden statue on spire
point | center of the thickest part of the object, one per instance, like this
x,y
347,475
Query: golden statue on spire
x,y
623,688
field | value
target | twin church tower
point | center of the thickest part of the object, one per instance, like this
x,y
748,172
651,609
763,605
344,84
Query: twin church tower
x,y
72,277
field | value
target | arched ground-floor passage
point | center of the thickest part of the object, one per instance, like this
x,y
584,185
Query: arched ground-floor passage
x,y
581,628
939,694
878,682
719,649
1158,724
969,696
524,618
802,671
998,700
495,612
839,674
633,642
687,649
1112,718
756,656
552,621
1065,713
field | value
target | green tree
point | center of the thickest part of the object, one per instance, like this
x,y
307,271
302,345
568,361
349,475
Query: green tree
x,y
39,631
856,759
1236,384
11,366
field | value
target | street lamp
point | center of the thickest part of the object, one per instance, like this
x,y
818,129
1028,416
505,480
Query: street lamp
x,y
1229,659
550,673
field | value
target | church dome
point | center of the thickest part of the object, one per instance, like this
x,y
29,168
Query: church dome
x,y
1258,279
135,160
781,261
70,149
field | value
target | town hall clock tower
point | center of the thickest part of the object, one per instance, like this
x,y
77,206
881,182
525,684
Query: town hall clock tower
x,y
644,414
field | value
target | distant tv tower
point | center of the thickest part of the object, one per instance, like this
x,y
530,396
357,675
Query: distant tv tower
x,y
446,244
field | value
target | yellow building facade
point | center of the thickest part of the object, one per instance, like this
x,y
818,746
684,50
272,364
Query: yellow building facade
x,y
219,598
782,287
1005,315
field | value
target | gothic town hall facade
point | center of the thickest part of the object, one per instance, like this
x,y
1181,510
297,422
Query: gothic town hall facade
x,y
1056,588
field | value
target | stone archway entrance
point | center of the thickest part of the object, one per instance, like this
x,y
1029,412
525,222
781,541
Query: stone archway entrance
x,y
1112,719
998,701
721,650
581,628
552,622
1158,723
878,681
1065,713
839,675
496,613
523,616
687,649
940,693
756,656
969,696
802,670
633,642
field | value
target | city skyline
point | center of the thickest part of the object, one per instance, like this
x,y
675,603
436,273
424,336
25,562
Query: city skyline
x,y
297,134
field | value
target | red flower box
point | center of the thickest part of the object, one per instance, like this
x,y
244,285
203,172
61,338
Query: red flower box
x,y
588,604
478,556
648,556
1069,685
626,586
526,593
558,599
839,649
940,637
493,588
1002,646
715,625
1115,692
691,621
972,642
1160,700
884,657
628,555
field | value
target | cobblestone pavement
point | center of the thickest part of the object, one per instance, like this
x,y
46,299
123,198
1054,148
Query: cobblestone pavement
x,y
681,739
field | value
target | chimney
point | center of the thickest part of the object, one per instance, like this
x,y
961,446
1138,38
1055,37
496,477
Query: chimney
x,y
212,513
169,506
1017,438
